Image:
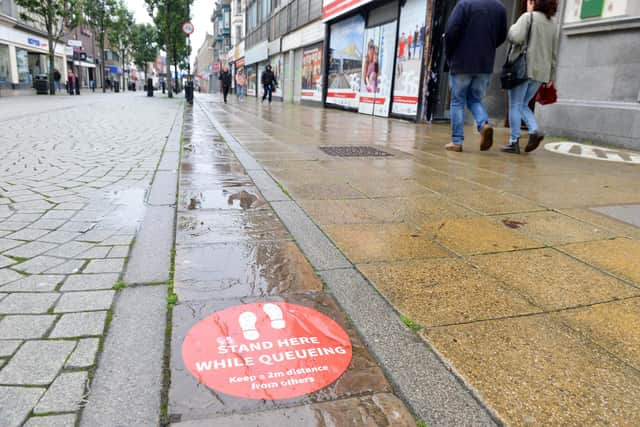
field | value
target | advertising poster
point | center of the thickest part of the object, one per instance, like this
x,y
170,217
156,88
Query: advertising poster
x,y
411,42
377,69
267,351
312,74
251,79
345,62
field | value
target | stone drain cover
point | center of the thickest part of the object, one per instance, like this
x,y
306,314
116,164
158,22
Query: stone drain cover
x,y
354,151
592,152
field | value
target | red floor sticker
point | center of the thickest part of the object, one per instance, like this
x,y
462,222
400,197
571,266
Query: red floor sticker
x,y
267,351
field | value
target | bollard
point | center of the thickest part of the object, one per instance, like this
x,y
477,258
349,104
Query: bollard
x,y
149,87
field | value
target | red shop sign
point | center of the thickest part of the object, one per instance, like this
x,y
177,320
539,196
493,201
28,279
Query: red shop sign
x,y
267,351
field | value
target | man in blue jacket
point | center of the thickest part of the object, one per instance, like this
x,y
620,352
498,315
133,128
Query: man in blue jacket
x,y
473,32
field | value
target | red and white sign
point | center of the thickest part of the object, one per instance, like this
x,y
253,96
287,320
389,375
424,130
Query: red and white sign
x,y
411,100
187,28
335,8
267,351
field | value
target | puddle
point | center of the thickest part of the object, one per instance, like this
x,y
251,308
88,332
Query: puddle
x,y
129,207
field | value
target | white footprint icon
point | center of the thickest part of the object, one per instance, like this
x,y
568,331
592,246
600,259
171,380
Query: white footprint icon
x,y
247,322
275,314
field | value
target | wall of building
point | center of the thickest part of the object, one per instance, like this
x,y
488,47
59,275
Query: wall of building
x,y
597,76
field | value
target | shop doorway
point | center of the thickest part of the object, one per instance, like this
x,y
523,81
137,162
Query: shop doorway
x,y
297,76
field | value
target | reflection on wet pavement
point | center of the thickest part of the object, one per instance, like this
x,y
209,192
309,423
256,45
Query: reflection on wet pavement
x,y
231,249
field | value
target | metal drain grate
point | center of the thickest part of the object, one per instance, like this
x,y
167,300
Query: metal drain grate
x,y
354,151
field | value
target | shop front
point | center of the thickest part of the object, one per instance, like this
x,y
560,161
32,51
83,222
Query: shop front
x,y
23,56
302,66
377,54
255,57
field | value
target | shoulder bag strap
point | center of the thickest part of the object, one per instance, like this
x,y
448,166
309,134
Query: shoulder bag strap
x,y
524,50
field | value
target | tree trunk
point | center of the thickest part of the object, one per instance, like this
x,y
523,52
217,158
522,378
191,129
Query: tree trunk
x,y
52,64
102,65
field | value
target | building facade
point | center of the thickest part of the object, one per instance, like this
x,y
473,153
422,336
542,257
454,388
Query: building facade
x,y
24,51
203,67
598,75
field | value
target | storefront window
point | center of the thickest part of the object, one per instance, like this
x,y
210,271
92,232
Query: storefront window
x,y
5,72
22,60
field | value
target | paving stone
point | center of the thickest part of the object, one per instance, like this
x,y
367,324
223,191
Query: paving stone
x,y
8,347
84,301
36,362
96,252
16,403
39,264
27,234
25,327
96,235
12,226
8,276
114,265
30,250
79,325
59,214
30,217
119,252
26,303
65,394
68,420
85,353
48,224
81,227
34,283
119,239
89,282
69,267
70,249
59,236
6,244
6,261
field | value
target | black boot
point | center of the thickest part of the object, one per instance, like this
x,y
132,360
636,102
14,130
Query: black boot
x,y
534,141
513,147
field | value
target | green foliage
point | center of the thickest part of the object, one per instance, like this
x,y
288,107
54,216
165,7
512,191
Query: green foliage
x,y
410,323
420,423
172,299
100,16
169,15
144,46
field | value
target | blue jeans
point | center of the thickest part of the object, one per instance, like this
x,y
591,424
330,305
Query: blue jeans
x,y
467,89
240,91
519,98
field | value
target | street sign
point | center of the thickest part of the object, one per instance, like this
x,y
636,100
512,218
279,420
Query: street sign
x,y
74,43
187,28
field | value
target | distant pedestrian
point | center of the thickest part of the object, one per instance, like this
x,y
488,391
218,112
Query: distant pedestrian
x,y
541,63
225,82
473,32
409,43
423,35
71,82
416,34
92,85
241,82
268,80
56,79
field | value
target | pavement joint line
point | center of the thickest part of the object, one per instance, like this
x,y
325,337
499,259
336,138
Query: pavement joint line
x,y
470,404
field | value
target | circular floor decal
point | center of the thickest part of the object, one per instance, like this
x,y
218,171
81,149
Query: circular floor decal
x,y
267,351
592,152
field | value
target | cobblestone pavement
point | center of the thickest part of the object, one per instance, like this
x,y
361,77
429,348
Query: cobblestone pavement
x,y
73,179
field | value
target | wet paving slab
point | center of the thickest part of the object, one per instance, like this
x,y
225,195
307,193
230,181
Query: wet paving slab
x,y
233,253
518,283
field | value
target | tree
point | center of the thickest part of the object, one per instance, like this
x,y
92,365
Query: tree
x,y
119,34
169,15
144,46
100,14
56,15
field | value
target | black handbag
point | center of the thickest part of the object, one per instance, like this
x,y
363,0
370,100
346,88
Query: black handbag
x,y
514,73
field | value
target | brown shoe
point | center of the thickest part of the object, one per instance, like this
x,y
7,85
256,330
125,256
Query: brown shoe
x,y
534,141
486,137
453,147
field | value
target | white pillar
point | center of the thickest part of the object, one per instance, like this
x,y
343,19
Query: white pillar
x,y
13,65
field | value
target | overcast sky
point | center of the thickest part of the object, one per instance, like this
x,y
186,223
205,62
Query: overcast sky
x,y
201,12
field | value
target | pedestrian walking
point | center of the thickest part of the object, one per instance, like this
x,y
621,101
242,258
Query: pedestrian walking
x,y
225,82
473,32
416,34
56,79
268,80
71,82
535,32
241,82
